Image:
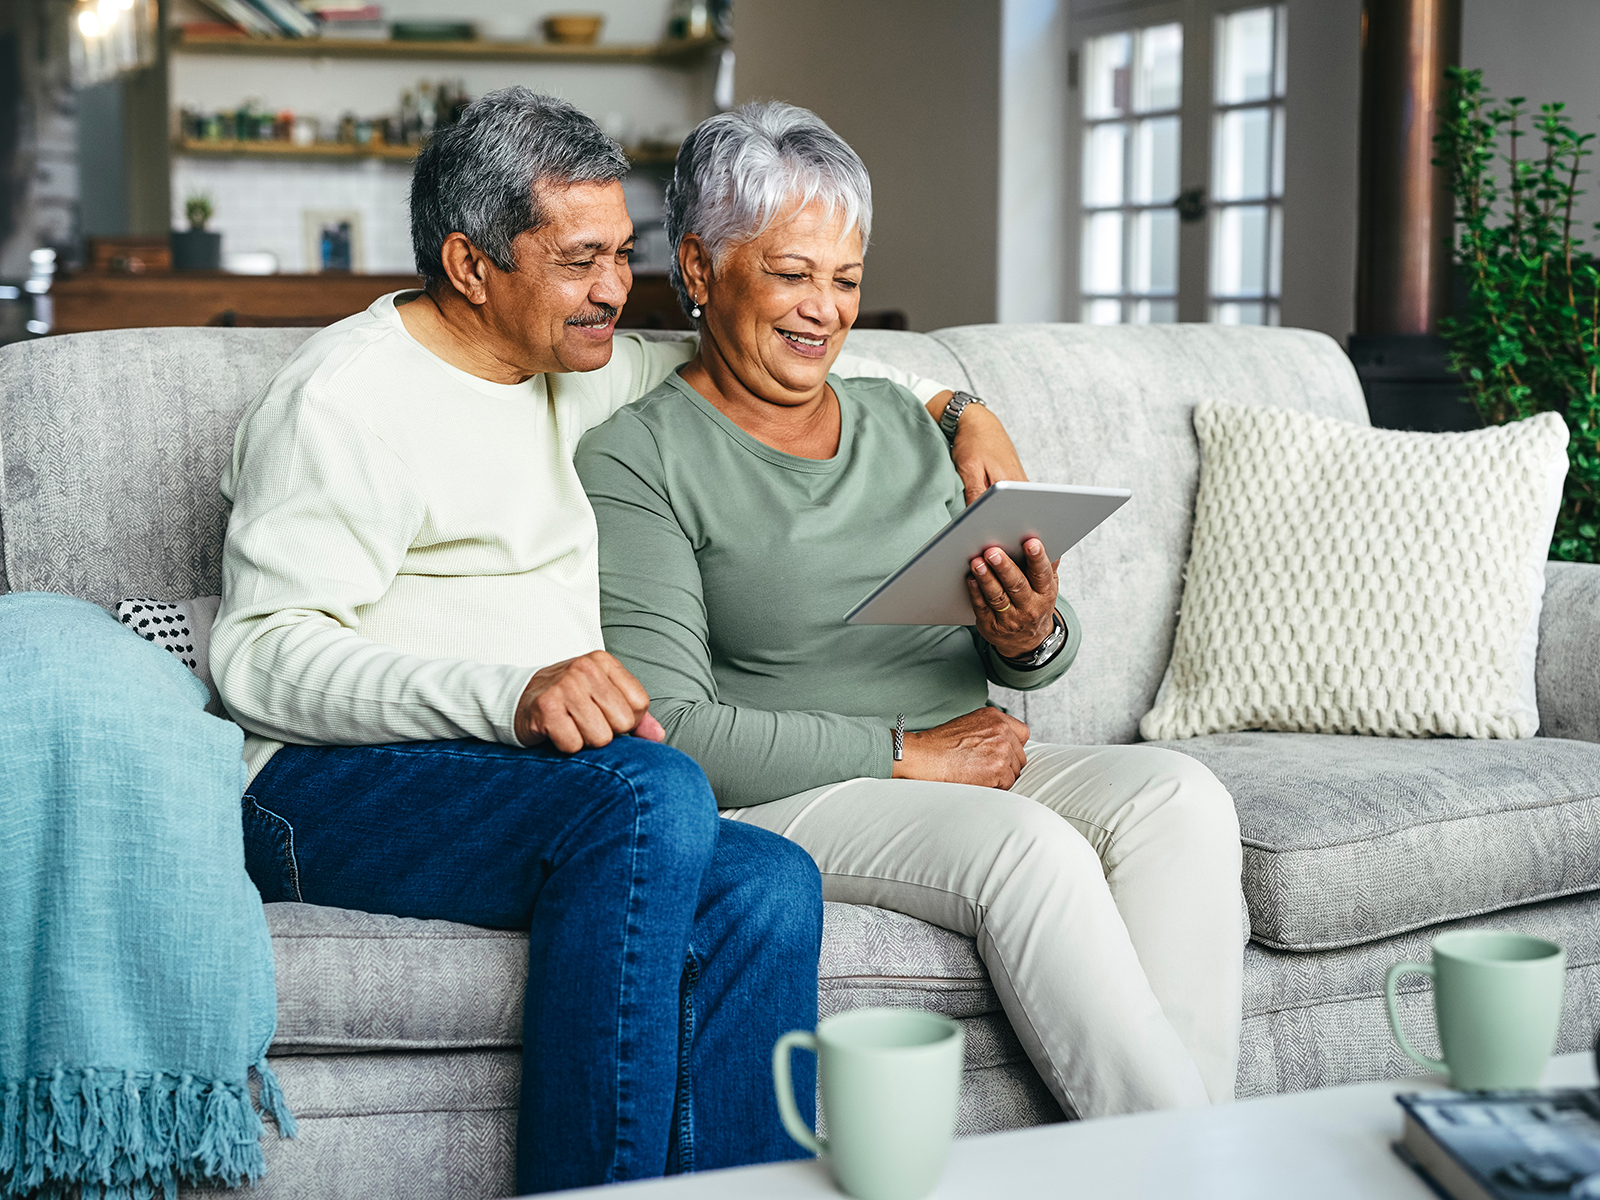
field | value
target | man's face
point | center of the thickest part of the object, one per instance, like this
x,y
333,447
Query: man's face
x,y
560,305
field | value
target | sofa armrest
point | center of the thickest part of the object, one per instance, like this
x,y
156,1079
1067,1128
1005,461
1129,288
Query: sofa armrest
x,y
1568,671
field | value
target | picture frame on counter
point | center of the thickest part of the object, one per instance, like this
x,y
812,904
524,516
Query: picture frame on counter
x,y
334,240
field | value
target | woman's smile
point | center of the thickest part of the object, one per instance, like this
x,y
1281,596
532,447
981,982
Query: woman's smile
x,y
804,344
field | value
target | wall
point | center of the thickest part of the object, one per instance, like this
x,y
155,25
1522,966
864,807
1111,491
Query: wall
x,y
262,205
38,134
1322,112
1543,50
914,86
1032,282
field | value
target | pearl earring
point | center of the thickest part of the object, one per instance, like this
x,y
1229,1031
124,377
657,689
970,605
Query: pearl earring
x,y
695,311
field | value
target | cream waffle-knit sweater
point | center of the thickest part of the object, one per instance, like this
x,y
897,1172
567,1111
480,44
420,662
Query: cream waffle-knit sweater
x,y
409,543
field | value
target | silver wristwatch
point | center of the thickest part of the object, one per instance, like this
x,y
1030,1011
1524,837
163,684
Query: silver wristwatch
x,y
1043,653
951,417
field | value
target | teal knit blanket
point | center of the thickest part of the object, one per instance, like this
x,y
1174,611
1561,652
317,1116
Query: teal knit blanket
x,y
136,986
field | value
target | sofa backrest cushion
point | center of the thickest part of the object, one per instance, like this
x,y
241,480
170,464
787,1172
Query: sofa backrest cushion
x,y
112,445
1112,406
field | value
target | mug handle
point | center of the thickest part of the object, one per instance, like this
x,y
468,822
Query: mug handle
x,y
1395,972
782,1080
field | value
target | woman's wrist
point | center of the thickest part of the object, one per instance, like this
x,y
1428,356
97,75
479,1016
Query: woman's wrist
x,y
1042,652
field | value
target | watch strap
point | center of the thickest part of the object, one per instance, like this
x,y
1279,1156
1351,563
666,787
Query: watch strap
x,y
1042,654
950,419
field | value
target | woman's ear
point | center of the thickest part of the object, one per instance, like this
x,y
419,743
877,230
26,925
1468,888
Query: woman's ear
x,y
694,260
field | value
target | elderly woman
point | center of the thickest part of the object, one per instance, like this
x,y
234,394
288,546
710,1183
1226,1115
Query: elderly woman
x,y
746,503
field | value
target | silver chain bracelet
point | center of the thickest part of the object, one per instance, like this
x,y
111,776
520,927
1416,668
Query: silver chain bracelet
x,y
899,737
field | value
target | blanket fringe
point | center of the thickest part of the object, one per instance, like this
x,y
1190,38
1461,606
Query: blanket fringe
x,y
100,1134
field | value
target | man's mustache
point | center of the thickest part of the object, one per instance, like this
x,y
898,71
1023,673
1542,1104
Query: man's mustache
x,y
598,315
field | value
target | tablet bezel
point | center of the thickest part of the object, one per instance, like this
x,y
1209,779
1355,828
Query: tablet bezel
x,y
1007,501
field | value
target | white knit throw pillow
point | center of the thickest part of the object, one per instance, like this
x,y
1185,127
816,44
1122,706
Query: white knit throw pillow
x,y
1344,579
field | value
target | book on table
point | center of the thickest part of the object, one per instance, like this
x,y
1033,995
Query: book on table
x,y
1515,1145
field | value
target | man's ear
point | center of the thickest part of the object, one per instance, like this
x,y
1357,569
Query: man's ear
x,y
694,260
466,267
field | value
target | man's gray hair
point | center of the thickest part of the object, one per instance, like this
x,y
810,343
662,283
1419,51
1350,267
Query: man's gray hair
x,y
739,171
480,177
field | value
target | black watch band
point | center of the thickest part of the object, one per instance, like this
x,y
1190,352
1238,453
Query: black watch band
x,y
1044,653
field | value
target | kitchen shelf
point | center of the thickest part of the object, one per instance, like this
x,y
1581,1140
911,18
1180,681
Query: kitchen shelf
x,y
675,51
277,149
323,151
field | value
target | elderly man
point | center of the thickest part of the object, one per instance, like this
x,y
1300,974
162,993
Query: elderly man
x,y
410,634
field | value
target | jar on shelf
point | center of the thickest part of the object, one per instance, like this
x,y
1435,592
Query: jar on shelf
x,y
689,19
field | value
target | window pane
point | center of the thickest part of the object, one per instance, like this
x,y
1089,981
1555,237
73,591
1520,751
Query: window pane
x,y
1154,265
1102,312
1102,252
1244,154
1107,75
1239,251
1155,161
1245,43
1277,151
1155,312
1160,68
1252,313
1103,153
1275,253
1280,77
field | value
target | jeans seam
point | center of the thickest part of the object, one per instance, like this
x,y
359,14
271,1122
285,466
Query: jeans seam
x,y
685,1129
291,863
622,958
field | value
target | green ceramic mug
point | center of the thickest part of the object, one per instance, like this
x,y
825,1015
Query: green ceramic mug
x,y
887,1081
1497,1001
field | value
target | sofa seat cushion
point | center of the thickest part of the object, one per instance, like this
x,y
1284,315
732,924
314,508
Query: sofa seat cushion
x,y
354,981
358,982
1352,839
1320,1020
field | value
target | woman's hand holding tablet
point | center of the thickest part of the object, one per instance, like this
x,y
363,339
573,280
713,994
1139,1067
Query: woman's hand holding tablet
x,y
1015,607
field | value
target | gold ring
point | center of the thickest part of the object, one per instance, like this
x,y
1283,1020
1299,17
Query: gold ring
x,y
1007,608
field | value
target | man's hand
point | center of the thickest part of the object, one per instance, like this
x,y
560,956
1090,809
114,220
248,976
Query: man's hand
x,y
1015,609
983,748
983,453
585,701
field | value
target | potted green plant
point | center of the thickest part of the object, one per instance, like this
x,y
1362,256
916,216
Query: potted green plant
x,y
196,248
1528,340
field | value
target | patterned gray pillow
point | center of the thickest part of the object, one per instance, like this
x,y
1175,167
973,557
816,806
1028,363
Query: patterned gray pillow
x,y
180,627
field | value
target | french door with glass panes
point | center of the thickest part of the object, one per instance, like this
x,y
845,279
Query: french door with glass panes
x,y
1179,161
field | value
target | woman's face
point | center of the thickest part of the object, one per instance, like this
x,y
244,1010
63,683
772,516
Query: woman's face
x,y
778,307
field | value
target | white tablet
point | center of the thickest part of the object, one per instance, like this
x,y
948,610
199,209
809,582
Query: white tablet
x,y
931,589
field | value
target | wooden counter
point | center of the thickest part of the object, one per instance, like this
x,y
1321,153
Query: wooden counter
x,y
109,301
113,301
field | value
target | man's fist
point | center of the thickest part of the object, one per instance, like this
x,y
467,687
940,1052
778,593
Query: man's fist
x,y
585,701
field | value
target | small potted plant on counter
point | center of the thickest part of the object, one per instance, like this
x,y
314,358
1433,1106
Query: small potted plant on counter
x,y
196,248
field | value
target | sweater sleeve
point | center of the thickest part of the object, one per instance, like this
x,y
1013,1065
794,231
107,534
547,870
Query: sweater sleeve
x,y
1005,675
653,612
323,515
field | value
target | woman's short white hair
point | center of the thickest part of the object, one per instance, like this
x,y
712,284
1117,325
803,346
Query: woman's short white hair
x,y
740,170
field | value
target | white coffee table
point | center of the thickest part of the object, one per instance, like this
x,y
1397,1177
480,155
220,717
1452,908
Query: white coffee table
x,y
1332,1143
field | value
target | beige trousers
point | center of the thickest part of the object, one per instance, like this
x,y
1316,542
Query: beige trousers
x,y
1102,891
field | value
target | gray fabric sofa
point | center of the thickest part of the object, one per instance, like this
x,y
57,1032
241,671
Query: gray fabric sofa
x,y
397,1039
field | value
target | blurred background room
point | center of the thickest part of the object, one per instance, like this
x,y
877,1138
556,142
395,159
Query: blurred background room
x,y
172,162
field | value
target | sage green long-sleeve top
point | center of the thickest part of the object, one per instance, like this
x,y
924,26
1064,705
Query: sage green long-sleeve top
x,y
726,568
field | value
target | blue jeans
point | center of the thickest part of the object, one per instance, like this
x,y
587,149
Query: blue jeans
x,y
667,949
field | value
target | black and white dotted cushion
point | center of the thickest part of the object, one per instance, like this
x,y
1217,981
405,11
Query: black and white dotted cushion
x,y
180,627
